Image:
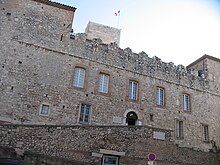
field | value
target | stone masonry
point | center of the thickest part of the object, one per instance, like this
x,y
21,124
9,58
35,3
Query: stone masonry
x,y
131,144
95,30
38,57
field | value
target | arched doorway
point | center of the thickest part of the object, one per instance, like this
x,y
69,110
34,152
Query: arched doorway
x,y
131,118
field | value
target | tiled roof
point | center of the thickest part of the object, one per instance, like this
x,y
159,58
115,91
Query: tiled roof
x,y
56,4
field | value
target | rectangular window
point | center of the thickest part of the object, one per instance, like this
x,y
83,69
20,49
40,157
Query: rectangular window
x,y
160,96
110,160
186,102
133,90
44,109
79,77
205,133
103,83
179,129
84,113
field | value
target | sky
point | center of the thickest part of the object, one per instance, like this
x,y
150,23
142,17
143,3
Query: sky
x,y
178,31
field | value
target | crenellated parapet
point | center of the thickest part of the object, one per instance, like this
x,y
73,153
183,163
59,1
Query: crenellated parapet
x,y
140,63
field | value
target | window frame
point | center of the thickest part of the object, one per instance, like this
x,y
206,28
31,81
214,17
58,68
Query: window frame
x,y
108,83
205,133
110,156
132,91
89,115
84,78
184,95
158,97
41,108
179,129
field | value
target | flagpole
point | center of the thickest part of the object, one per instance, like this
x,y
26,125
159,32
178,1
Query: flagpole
x,y
117,15
118,21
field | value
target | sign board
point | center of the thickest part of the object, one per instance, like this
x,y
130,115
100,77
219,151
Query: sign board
x,y
159,135
151,157
117,119
152,163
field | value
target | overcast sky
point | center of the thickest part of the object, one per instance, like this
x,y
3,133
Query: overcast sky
x,y
178,31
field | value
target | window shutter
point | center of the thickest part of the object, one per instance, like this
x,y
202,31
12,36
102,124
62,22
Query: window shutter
x,y
161,97
134,91
130,90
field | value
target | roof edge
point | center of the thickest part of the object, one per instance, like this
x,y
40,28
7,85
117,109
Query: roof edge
x,y
56,4
202,58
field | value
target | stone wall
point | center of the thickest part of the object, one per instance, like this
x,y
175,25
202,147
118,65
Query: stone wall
x,y
208,68
38,69
36,20
132,144
105,33
48,80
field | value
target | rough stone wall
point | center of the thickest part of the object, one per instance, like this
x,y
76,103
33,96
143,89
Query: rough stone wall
x,y
48,80
37,22
105,33
208,67
9,155
33,73
214,74
136,142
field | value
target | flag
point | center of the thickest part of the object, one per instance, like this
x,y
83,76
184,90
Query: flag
x,y
117,13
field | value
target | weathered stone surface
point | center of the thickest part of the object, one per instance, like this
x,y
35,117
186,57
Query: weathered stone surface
x,y
95,30
56,144
37,60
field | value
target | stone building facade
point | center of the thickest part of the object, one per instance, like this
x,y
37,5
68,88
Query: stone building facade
x,y
49,77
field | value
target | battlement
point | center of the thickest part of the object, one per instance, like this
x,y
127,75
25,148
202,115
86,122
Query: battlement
x,y
141,63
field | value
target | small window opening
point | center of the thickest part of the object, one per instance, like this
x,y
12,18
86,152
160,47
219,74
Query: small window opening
x,y
61,38
200,73
110,160
151,117
44,109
